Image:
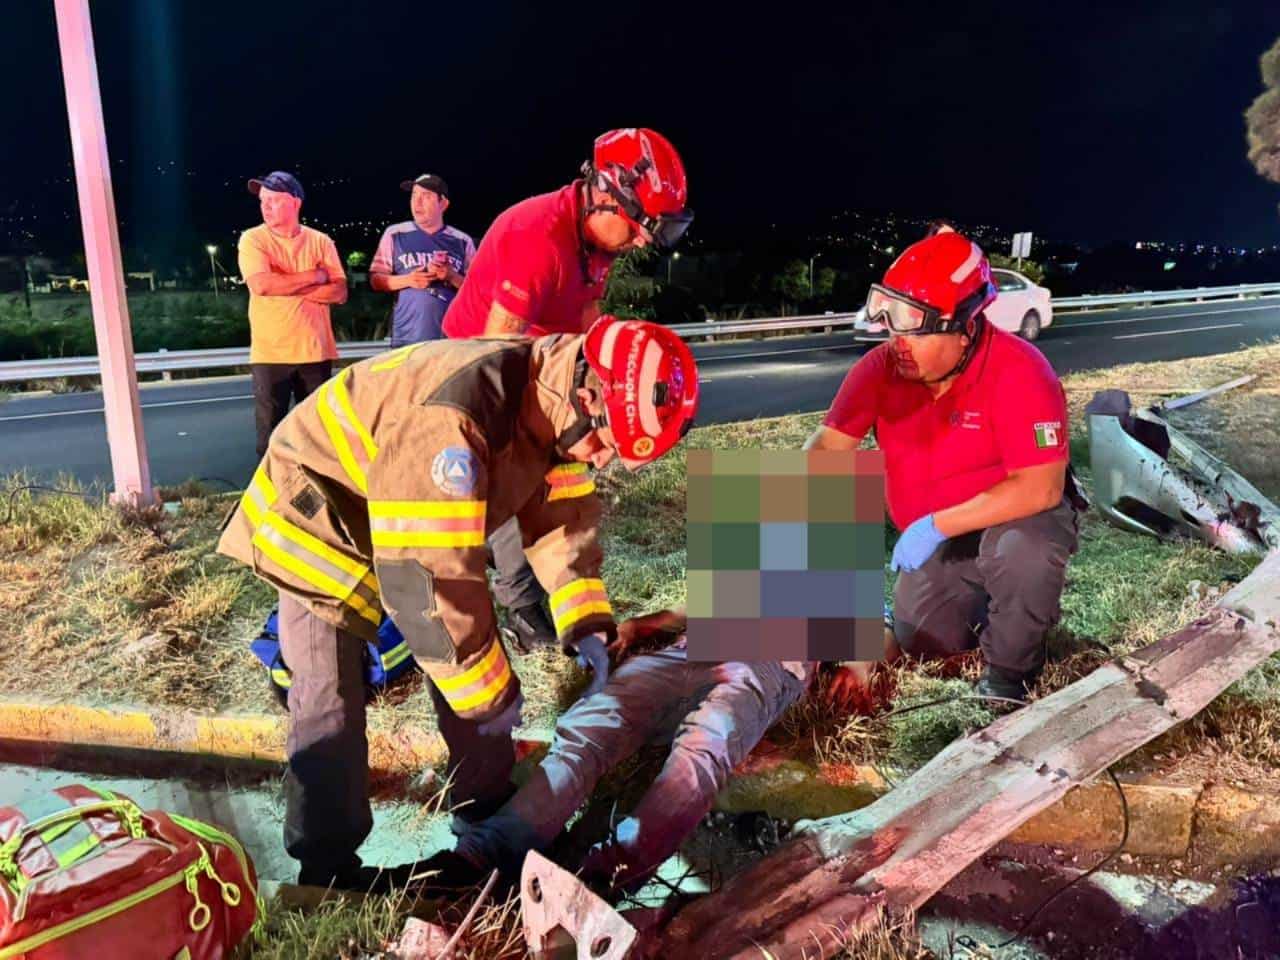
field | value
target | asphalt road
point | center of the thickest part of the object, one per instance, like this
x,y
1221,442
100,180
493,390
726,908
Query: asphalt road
x,y
205,428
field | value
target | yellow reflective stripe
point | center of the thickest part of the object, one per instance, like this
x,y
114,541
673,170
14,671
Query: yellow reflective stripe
x,y
472,674
575,588
395,358
344,401
569,480
481,684
412,509
434,524
566,620
487,694
295,550
72,844
259,496
567,493
337,431
430,539
395,656
317,546
577,600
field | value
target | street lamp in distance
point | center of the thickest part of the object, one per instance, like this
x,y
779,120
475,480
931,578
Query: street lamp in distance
x,y
675,255
212,250
811,259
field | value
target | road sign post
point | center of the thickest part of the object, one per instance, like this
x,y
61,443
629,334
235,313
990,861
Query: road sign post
x,y
1021,247
130,471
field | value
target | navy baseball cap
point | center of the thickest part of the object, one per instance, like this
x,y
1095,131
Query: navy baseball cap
x,y
279,181
428,181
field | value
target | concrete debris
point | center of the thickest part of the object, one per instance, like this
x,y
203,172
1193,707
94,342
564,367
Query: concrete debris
x,y
421,941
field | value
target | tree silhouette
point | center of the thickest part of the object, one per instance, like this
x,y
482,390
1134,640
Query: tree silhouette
x,y
1263,119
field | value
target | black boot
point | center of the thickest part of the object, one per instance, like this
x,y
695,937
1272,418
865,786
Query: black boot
x,y
478,810
447,872
998,682
529,628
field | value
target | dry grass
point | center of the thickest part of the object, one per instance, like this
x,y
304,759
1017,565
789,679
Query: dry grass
x,y
106,607
369,930
892,939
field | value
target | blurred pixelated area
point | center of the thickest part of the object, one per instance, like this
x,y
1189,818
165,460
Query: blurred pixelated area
x,y
785,555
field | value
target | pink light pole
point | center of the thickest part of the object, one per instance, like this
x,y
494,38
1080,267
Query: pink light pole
x,y
130,471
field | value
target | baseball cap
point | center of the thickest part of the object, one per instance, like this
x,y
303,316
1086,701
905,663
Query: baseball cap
x,y
428,181
277,180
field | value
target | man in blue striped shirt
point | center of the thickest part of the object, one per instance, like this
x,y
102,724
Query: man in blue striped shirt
x,y
422,262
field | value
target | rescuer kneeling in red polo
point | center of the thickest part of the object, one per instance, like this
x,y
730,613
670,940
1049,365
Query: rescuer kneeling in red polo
x,y
973,425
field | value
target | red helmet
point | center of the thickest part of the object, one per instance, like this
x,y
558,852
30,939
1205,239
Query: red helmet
x,y
642,172
649,385
937,286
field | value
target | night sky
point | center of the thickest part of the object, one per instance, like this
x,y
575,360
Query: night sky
x,y
1078,121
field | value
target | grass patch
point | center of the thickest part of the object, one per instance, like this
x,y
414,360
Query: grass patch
x,y
104,606
370,929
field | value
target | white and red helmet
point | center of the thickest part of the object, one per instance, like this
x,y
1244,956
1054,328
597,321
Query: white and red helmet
x,y
649,384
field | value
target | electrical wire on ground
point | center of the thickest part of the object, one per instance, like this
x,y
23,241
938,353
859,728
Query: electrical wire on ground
x,y
966,941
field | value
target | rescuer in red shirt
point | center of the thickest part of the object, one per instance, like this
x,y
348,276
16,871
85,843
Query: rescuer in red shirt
x,y
973,425
542,268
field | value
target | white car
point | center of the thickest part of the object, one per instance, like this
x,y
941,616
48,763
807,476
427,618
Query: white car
x,y
1021,307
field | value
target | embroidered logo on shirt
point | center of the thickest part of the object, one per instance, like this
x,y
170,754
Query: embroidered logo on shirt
x,y
455,471
515,291
1047,434
967,420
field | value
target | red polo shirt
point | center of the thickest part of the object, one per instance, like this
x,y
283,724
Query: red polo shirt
x,y
1006,411
531,262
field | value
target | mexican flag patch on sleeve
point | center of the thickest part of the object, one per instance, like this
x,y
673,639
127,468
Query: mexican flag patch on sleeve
x,y
1047,434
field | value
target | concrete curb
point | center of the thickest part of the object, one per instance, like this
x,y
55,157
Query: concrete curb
x,y
402,749
1221,825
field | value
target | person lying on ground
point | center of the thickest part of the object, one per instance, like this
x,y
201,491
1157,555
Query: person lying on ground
x,y
712,714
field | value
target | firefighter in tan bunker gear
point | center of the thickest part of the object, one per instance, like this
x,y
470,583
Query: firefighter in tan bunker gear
x,y
377,494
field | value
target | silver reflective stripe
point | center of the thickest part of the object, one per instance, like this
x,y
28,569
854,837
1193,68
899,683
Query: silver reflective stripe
x,y
305,556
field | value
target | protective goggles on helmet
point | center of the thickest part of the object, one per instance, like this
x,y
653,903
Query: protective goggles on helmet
x,y
903,315
664,229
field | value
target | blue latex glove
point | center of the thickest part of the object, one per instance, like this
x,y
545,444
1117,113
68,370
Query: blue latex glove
x,y
593,656
504,722
916,545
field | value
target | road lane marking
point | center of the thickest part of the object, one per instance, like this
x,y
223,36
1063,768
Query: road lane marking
x,y
1066,325
145,406
1169,333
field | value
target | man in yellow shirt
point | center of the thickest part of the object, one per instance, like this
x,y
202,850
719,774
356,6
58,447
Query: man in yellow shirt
x,y
293,274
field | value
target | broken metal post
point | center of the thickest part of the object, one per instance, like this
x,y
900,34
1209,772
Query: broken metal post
x,y
563,920
1138,489
841,873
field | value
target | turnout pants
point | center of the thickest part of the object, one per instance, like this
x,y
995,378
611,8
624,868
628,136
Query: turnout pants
x,y
998,589
326,785
515,586
274,385
712,714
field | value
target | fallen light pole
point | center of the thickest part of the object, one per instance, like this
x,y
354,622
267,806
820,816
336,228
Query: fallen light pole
x,y
842,873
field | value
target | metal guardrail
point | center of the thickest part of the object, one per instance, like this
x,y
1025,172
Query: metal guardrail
x,y
165,361
1191,294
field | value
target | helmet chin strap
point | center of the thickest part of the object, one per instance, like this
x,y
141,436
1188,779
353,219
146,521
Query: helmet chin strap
x,y
974,333
585,422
